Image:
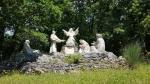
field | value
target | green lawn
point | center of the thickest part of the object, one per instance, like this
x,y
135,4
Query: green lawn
x,y
141,75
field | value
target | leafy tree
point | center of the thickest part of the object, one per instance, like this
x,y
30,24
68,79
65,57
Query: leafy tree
x,y
120,22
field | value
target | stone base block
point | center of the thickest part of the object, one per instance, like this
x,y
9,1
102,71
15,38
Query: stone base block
x,y
69,50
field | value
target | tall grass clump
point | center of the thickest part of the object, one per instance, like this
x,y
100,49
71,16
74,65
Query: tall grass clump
x,y
73,59
132,53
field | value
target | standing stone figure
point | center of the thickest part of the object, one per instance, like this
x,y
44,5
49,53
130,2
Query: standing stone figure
x,y
27,49
70,47
100,43
71,41
84,47
54,39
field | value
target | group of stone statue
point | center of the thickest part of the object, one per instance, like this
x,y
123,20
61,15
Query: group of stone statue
x,y
94,54
71,46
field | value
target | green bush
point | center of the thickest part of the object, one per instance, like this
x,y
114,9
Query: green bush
x,y
132,53
73,59
147,57
38,40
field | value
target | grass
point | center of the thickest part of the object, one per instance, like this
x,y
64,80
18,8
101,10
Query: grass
x,y
132,53
141,75
73,59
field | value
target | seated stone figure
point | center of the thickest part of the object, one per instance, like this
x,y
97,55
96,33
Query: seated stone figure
x,y
27,49
100,43
54,40
84,47
28,54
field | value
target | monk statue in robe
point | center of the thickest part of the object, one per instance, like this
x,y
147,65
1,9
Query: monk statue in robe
x,y
54,40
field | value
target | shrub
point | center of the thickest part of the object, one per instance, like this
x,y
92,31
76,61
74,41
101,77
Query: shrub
x,y
38,39
73,59
147,57
132,53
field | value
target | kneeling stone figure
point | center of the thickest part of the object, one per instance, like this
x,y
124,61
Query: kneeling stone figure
x,y
84,47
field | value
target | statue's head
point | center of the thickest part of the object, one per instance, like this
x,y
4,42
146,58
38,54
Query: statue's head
x,y
99,36
53,32
71,29
82,41
27,41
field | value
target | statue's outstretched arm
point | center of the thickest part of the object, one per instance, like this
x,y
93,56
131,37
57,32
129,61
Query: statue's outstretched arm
x,y
76,31
55,38
65,32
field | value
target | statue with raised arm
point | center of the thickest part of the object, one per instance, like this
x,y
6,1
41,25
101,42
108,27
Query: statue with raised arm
x,y
70,47
71,40
54,40
100,43
84,46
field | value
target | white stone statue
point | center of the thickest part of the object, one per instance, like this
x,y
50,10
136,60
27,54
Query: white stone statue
x,y
100,43
27,49
93,48
84,46
71,40
54,40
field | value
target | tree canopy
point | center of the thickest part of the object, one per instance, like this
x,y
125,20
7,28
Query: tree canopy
x,y
120,22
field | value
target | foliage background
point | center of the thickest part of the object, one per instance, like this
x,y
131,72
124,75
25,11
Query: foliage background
x,y
120,22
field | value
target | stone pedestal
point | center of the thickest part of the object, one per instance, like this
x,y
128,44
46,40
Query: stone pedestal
x,y
69,50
